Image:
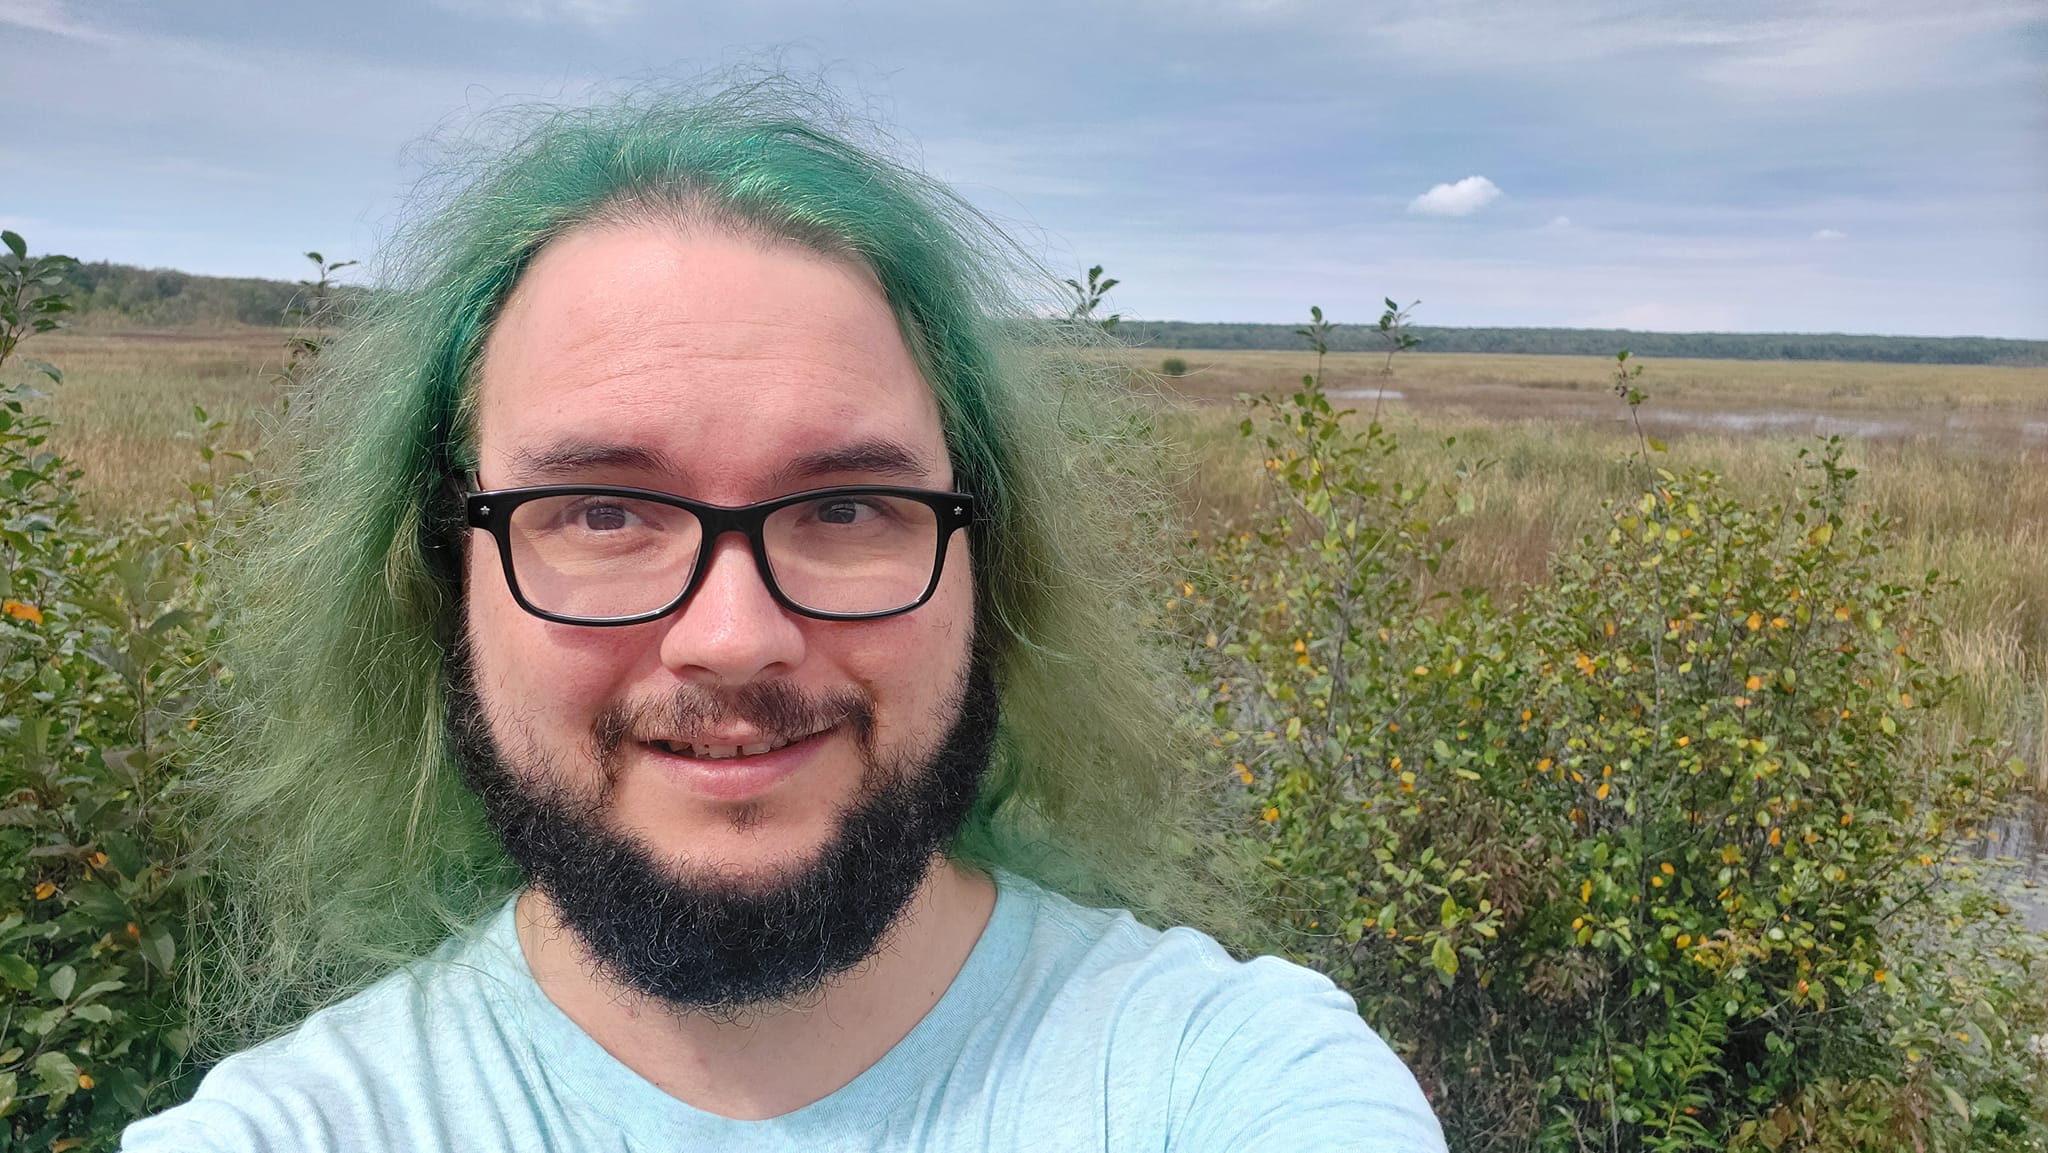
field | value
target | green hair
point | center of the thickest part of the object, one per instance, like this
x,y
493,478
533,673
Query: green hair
x,y
343,840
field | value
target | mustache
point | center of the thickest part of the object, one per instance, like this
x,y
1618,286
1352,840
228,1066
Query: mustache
x,y
776,707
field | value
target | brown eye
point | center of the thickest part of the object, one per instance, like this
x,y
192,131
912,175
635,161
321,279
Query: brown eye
x,y
604,518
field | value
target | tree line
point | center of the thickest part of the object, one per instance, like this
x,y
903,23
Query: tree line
x,y
1602,342
114,295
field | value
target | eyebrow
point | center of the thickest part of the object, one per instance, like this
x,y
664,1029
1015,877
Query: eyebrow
x,y
875,456
872,457
571,458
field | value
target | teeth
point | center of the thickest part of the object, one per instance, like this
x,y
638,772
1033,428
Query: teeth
x,y
726,752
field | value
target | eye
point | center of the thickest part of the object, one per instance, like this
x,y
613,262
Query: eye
x,y
598,515
603,517
845,510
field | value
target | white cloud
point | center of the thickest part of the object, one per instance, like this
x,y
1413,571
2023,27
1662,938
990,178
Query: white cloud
x,y
1464,198
49,16
1830,234
1558,224
592,13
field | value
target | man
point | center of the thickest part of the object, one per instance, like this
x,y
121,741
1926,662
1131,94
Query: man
x,y
695,608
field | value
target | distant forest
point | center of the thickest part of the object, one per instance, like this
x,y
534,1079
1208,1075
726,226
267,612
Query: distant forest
x,y
1606,342
122,296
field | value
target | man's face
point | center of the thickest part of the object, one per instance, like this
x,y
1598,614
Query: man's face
x,y
729,372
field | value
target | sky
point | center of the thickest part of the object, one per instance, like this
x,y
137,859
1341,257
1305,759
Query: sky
x,y
1747,165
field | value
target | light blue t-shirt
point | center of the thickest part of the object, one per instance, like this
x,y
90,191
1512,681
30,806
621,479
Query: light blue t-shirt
x,y
1068,1028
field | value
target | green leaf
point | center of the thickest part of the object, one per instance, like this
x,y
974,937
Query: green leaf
x,y
159,950
1445,959
62,982
15,243
16,971
57,1076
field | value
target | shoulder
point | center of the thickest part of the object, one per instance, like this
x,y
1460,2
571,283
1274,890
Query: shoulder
x,y
368,1072
1243,1054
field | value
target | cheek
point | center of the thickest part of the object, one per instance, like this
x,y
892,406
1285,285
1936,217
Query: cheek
x,y
914,663
546,674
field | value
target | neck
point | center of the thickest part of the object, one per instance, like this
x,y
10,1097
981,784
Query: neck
x,y
778,1058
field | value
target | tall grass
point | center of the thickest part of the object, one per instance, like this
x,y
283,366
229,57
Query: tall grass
x,y
1978,516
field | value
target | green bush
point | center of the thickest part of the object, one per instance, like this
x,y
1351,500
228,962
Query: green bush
x,y
101,634
1174,366
1660,856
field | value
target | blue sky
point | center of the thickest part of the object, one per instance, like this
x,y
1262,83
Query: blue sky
x,y
1801,165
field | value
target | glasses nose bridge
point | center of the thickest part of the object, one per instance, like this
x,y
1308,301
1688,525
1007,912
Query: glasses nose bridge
x,y
715,523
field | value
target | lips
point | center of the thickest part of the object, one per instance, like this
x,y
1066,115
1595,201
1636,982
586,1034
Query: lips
x,y
714,751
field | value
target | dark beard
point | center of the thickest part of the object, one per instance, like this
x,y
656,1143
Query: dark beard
x,y
711,944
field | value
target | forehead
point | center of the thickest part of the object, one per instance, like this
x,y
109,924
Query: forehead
x,y
713,359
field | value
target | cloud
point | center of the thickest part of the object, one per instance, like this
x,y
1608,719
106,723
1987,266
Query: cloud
x,y
1464,198
1830,234
1558,224
590,13
49,16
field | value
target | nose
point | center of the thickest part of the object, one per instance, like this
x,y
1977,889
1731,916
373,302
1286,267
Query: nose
x,y
731,631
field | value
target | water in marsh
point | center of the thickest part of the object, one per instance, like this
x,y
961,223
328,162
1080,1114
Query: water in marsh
x,y
2023,837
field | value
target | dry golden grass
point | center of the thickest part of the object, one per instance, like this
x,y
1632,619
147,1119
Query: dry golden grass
x,y
126,397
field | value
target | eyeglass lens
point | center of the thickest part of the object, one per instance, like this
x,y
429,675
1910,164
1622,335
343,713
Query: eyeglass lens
x,y
598,556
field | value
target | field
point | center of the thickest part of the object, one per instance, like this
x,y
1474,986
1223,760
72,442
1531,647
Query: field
x,y
1958,455
1552,794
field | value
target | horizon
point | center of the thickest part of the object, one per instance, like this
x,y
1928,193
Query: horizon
x,y
1109,306
1811,167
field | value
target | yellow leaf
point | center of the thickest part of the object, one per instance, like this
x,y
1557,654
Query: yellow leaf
x,y
85,1081
1755,622
45,891
1667,869
1585,891
22,612
1271,814
1753,684
1543,766
1603,790
1684,741
1780,623
1841,612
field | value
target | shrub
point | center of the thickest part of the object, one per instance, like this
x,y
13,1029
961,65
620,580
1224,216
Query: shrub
x,y
1174,366
100,642
1661,855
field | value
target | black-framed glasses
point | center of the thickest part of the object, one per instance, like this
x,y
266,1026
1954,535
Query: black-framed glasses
x,y
594,554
